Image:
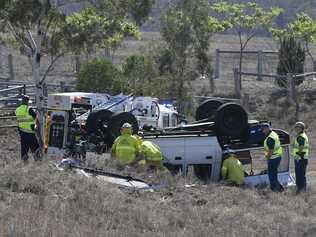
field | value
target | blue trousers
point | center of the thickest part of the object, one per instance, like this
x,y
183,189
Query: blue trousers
x,y
300,173
29,142
273,165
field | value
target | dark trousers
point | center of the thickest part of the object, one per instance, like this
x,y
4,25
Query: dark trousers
x,y
29,142
300,173
273,165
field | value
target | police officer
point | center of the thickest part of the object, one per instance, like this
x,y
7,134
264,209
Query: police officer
x,y
273,153
125,147
300,153
232,169
26,123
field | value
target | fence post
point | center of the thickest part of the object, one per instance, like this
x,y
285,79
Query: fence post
x,y
62,86
259,64
314,66
77,63
216,71
1,57
237,82
24,89
245,100
11,69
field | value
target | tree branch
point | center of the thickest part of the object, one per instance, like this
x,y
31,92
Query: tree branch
x,y
309,52
49,68
32,39
19,38
248,39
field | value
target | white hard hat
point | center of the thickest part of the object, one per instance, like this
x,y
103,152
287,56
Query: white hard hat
x,y
300,124
266,125
228,151
126,125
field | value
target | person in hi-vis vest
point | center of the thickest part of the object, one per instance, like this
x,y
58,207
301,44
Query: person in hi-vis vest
x,y
300,153
26,124
232,169
273,153
125,147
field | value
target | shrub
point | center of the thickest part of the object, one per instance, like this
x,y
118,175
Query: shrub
x,y
291,60
142,77
99,75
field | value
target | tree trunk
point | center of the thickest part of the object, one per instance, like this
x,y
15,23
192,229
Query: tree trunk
x,y
212,84
240,66
180,96
314,66
209,74
39,97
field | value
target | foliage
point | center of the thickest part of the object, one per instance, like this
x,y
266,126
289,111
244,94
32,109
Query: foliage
x,y
140,9
245,19
186,30
40,27
142,76
303,28
291,60
87,28
99,75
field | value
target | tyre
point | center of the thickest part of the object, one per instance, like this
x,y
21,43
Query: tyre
x,y
97,121
116,122
231,123
207,109
202,172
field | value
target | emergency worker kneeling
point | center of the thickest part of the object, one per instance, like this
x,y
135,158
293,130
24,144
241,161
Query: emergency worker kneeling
x,y
232,169
131,149
126,147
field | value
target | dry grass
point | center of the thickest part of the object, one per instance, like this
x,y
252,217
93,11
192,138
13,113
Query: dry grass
x,y
37,200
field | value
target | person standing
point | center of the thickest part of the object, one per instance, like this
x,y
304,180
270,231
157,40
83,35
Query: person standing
x,y
26,125
300,154
273,153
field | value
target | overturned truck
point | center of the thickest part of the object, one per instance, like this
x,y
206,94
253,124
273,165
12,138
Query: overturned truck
x,y
198,144
77,122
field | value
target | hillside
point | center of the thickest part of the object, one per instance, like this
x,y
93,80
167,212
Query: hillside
x,y
291,7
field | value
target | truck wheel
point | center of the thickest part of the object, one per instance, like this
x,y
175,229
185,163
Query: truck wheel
x,y
97,120
207,109
202,172
231,122
116,122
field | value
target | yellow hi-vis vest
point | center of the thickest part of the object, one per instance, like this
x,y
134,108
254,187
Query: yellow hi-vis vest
x,y
125,148
233,170
305,148
150,151
277,151
25,120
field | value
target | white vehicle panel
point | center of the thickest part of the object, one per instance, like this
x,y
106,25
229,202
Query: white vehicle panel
x,y
188,150
201,149
285,178
172,149
59,102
